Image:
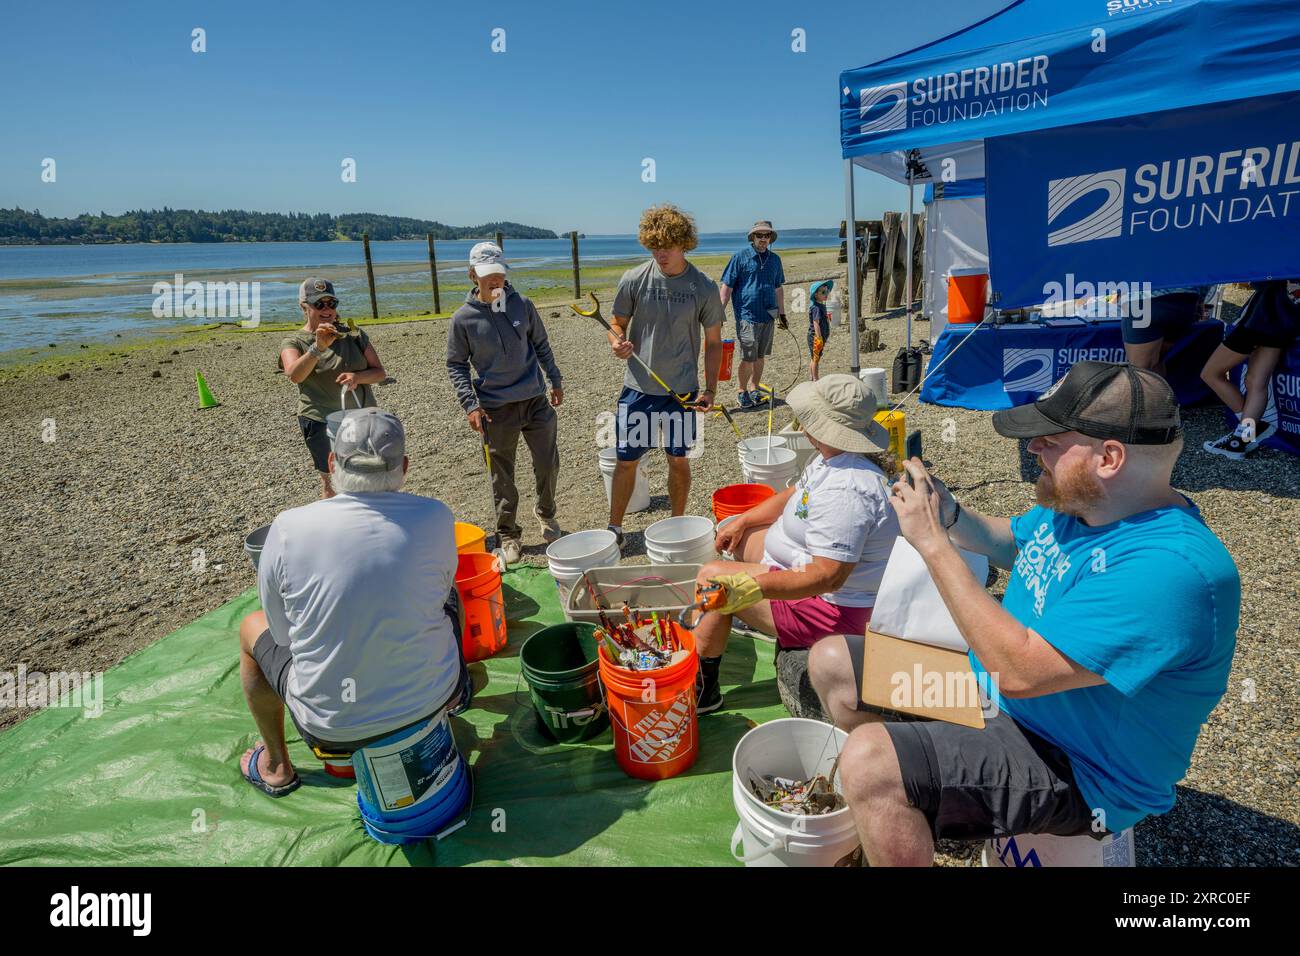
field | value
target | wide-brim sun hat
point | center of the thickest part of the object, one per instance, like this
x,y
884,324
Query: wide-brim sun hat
x,y
839,410
763,225
828,283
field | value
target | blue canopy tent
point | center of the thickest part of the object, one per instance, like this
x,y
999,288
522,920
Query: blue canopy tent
x,y
1153,140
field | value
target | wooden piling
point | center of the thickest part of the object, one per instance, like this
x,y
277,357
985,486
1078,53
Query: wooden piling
x,y
501,242
370,275
433,274
577,284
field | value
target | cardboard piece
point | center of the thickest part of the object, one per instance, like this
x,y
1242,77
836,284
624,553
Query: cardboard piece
x,y
921,680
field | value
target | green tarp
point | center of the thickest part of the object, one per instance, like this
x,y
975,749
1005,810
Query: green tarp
x,y
154,780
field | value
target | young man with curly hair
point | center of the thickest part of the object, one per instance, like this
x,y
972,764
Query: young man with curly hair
x,y
661,311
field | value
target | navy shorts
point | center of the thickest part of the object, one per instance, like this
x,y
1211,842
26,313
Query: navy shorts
x,y
318,443
1270,319
976,784
1171,317
653,421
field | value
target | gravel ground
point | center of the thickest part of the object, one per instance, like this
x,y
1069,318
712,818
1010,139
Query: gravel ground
x,y
129,523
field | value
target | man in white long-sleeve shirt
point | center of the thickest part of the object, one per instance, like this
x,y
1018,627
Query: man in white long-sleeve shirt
x,y
355,635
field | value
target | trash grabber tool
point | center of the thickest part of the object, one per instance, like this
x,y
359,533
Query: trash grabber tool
x,y
594,313
707,597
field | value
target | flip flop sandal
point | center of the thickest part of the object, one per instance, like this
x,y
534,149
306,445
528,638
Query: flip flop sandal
x,y
254,777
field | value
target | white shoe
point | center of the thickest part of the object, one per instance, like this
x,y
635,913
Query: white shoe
x,y
551,530
511,550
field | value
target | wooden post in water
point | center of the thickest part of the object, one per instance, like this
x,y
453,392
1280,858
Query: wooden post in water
x,y
370,275
500,243
577,284
433,274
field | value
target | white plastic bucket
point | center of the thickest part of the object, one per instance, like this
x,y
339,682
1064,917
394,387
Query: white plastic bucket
x,y
756,447
684,539
254,541
874,379
334,419
803,449
726,555
581,551
798,748
776,473
640,500
1046,849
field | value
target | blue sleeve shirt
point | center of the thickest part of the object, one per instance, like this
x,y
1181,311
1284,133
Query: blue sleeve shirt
x,y
754,280
1150,603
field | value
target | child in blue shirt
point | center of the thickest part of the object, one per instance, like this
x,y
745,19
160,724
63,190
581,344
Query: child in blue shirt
x,y
819,324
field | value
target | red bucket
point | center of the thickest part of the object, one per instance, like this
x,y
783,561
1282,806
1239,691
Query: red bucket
x,y
728,350
652,713
736,499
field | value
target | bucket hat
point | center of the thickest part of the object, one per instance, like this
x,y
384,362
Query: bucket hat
x,y
839,410
763,225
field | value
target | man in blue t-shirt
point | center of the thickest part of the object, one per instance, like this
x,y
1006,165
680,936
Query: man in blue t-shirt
x,y
754,283
1111,646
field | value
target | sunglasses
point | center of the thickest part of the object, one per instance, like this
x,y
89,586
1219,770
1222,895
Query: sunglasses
x,y
326,303
763,235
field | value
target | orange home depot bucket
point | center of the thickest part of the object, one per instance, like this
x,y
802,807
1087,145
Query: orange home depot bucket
x,y
966,296
652,713
735,499
470,538
478,579
728,350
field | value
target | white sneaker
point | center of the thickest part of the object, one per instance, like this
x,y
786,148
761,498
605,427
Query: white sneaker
x,y
551,530
511,550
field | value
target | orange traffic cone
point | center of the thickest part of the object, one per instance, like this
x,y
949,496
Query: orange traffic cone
x,y
205,394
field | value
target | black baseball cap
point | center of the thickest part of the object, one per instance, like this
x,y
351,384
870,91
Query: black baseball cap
x,y
1101,400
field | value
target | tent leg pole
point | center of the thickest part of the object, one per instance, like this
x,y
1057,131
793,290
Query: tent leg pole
x,y
850,245
911,235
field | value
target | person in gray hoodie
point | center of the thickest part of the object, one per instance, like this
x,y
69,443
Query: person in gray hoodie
x,y
500,333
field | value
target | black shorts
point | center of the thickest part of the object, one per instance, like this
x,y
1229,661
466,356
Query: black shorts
x,y
976,784
275,661
1171,317
1270,319
318,443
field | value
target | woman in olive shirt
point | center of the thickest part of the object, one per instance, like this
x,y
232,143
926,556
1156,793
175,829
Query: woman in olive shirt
x,y
322,362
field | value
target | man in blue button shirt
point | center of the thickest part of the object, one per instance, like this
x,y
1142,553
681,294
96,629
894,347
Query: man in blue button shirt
x,y
1107,654
754,283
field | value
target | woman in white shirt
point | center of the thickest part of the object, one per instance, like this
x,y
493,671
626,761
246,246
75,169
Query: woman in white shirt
x,y
813,555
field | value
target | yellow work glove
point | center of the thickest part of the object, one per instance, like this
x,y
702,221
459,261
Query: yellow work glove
x,y
741,591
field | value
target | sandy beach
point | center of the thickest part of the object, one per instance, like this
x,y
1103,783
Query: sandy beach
x,y
128,506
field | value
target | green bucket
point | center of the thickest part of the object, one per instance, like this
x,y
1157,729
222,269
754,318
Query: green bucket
x,y
559,664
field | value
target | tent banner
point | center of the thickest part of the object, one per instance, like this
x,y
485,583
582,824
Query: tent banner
x,y
1108,211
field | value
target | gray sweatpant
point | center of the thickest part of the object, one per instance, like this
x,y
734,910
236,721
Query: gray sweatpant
x,y
537,422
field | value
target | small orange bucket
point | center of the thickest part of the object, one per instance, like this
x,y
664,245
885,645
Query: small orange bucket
x,y
966,295
735,499
478,580
470,538
728,350
652,713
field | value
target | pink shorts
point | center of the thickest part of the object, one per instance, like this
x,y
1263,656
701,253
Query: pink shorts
x,y
804,622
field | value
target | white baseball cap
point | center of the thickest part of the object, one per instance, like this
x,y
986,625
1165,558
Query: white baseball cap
x,y
487,259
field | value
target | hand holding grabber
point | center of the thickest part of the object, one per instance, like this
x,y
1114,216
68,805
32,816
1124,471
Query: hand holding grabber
x,y
594,313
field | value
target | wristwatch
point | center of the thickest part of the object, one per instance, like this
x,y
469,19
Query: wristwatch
x,y
315,350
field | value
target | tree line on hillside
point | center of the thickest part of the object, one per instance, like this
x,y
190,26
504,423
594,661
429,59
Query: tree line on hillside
x,y
19,227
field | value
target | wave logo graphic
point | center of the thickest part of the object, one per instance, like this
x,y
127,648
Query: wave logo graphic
x,y
1106,223
1036,370
877,98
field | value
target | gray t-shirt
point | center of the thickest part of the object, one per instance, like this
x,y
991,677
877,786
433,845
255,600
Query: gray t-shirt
x,y
667,314
355,586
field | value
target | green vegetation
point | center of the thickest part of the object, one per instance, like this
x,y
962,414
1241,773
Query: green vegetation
x,y
19,227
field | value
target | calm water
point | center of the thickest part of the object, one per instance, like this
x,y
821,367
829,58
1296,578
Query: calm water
x,y
118,279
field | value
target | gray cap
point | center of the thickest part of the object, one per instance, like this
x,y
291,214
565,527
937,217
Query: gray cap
x,y
314,288
369,440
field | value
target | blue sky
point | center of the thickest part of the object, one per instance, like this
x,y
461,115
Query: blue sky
x,y
552,132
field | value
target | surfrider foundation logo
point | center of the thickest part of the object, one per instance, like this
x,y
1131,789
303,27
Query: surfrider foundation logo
x,y
892,99
1033,368
1106,222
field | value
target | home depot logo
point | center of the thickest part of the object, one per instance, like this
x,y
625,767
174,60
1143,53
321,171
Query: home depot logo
x,y
1032,368
1104,222
661,734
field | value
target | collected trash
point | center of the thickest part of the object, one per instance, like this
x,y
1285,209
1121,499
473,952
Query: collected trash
x,y
640,644
804,797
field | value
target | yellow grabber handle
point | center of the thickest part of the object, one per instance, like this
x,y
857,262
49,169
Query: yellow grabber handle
x,y
683,400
